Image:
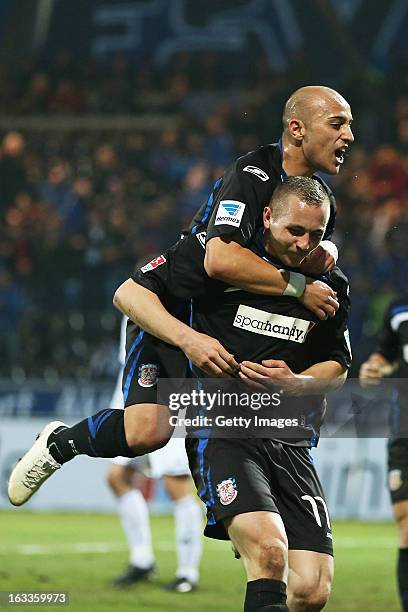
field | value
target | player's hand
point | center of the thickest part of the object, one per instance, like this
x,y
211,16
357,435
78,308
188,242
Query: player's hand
x,y
320,299
372,371
322,259
272,372
209,355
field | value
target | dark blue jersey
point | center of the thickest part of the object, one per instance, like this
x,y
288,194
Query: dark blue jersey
x,y
256,327
233,209
235,205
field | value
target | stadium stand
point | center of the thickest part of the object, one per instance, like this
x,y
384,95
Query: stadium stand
x,y
81,200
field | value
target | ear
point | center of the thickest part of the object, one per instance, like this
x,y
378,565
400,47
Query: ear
x,y
267,217
296,129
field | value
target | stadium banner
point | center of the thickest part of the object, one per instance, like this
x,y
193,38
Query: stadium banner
x,y
157,30
67,400
353,472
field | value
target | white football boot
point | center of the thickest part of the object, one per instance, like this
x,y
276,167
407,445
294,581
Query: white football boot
x,y
34,468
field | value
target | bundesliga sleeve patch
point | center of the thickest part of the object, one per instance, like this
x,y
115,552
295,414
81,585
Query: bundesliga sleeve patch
x,y
155,263
229,213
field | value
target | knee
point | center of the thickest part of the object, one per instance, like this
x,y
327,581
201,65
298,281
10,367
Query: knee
x,y
146,437
402,521
273,558
146,441
116,479
312,596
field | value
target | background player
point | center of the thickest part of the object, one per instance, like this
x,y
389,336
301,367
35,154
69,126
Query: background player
x,y
391,359
171,464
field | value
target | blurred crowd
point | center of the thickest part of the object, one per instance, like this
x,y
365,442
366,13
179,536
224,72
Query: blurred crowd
x,y
79,208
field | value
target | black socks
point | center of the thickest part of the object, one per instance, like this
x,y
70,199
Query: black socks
x,y
265,595
101,435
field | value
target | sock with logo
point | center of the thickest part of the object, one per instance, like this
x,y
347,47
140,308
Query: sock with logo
x,y
265,595
402,572
100,435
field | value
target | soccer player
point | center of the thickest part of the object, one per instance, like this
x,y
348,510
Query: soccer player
x,y
316,134
265,494
274,510
391,359
171,464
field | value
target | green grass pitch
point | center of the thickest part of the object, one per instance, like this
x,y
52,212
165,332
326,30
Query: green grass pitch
x,y
80,553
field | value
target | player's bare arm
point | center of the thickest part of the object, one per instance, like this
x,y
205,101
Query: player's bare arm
x,y
374,369
319,378
146,310
233,264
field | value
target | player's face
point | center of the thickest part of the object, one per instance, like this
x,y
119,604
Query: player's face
x,y
327,135
296,232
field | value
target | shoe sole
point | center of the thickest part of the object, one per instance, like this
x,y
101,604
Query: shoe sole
x,y
16,477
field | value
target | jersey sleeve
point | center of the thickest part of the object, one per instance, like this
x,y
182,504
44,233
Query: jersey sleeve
x,y
388,342
177,274
240,199
157,276
330,341
154,276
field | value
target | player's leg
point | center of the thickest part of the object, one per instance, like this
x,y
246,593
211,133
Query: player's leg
x,y
147,427
400,510
310,580
144,425
301,502
261,541
398,488
134,516
232,479
171,464
188,518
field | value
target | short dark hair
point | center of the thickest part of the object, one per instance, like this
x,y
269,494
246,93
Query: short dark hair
x,y
308,190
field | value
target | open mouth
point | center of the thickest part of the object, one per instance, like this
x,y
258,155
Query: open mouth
x,y
339,153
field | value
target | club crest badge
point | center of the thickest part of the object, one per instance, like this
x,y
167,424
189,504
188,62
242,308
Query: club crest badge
x,y
148,374
394,480
227,491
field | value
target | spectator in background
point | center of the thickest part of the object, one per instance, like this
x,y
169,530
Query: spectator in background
x,y
196,187
12,303
13,177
